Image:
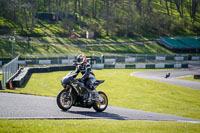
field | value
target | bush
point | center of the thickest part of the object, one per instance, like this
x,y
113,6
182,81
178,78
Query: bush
x,y
37,32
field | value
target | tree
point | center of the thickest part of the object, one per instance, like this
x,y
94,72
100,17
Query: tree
x,y
107,17
139,6
166,5
179,6
194,6
149,5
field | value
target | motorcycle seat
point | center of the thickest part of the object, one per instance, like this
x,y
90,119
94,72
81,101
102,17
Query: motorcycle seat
x,y
97,82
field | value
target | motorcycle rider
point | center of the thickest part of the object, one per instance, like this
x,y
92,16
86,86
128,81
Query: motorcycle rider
x,y
88,77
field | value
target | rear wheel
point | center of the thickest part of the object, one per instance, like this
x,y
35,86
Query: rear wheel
x,y
102,103
65,99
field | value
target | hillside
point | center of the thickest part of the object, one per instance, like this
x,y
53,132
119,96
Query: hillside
x,y
107,19
69,46
59,27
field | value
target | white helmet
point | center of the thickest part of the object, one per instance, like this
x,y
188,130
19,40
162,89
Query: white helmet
x,y
81,59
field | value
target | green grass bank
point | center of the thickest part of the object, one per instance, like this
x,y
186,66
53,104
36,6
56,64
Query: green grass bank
x,y
97,126
43,46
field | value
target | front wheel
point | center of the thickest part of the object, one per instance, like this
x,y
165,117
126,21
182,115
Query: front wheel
x,y
102,103
65,99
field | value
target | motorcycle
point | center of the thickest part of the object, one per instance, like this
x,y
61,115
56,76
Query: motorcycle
x,y
75,93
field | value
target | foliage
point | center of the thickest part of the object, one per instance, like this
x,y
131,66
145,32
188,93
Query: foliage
x,y
126,91
125,18
97,126
5,23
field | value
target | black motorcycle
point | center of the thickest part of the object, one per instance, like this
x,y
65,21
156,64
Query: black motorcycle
x,y
75,93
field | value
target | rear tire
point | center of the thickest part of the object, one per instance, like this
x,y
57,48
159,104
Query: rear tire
x,y
101,106
64,102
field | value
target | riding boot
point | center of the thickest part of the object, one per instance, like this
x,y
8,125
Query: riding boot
x,y
95,95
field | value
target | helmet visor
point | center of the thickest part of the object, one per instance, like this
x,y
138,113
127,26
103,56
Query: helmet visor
x,y
80,60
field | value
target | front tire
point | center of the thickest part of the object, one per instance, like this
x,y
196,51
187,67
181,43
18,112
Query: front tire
x,y
65,99
100,106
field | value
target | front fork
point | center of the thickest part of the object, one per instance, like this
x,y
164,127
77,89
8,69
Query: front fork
x,y
69,91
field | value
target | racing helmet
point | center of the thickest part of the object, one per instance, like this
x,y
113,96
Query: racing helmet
x,y
81,59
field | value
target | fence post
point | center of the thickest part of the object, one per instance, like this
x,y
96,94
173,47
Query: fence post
x,y
1,86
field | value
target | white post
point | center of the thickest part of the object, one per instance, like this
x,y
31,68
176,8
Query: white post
x,y
102,59
12,38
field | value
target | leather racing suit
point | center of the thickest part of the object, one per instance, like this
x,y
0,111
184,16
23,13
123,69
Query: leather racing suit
x,y
88,76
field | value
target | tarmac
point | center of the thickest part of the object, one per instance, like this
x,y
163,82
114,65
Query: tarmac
x,y
175,75
20,106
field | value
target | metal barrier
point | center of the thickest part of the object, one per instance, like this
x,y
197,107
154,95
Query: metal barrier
x,y
109,59
9,69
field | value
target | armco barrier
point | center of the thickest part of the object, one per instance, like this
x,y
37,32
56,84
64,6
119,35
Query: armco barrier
x,y
159,65
178,58
129,59
140,66
169,65
130,66
195,58
21,78
126,59
109,66
109,60
184,65
150,66
98,66
122,66
160,58
177,65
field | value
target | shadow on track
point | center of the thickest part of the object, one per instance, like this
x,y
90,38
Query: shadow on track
x,y
103,115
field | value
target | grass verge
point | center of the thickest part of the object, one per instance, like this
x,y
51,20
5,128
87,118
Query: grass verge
x,y
97,126
126,91
190,78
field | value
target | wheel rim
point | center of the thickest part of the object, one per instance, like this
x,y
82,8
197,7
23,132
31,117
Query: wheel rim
x,y
103,104
66,101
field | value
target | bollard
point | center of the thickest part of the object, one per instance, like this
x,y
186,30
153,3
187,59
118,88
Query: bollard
x,y
1,86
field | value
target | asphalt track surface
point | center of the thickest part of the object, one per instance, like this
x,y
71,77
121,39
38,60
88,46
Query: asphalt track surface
x,y
19,106
159,75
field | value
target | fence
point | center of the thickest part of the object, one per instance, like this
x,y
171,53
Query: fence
x,y
9,69
110,59
143,58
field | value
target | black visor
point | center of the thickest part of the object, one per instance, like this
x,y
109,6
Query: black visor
x,y
79,60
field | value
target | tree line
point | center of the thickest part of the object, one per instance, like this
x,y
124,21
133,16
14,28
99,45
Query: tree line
x,y
111,17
